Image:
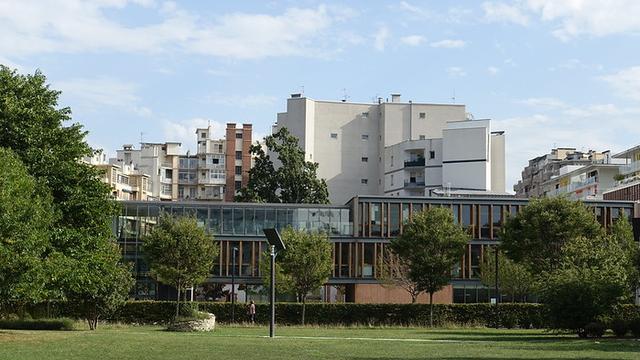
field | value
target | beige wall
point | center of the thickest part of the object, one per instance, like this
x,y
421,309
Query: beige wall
x,y
378,294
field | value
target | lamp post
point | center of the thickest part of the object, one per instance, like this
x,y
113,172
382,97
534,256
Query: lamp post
x,y
497,287
233,286
276,244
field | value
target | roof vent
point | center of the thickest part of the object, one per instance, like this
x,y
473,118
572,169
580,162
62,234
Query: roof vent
x,y
298,95
395,98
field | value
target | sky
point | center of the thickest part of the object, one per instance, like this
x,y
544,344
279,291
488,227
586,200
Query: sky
x,y
549,73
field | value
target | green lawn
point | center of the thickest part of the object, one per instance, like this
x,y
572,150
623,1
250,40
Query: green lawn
x,y
308,343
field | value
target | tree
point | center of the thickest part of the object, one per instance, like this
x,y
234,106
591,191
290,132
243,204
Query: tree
x,y
515,279
33,127
431,244
535,236
306,261
284,282
622,233
25,216
294,181
393,272
589,282
179,252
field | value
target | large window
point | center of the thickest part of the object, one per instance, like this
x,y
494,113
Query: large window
x,y
394,226
485,229
496,219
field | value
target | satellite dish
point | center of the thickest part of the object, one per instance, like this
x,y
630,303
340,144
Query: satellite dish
x,y
274,239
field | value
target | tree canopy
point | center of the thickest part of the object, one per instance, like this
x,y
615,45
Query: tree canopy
x,y
431,244
514,279
179,252
535,235
306,262
293,181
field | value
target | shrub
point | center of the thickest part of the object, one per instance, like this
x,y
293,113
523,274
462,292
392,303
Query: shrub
x,y
39,324
634,326
619,327
592,330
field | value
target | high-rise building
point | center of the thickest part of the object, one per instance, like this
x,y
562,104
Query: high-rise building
x,y
627,185
218,169
396,148
542,168
126,182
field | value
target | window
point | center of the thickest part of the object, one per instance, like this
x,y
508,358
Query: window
x,y
422,137
238,185
391,160
334,135
238,155
365,159
364,181
391,179
238,170
204,135
423,115
365,137
219,147
238,135
432,154
365,114
215,161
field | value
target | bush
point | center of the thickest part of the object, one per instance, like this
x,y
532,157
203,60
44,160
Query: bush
x,y
619,327
592,330
634,326
39,324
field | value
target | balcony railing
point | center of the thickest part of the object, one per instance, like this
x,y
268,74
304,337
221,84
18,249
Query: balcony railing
x,y
416,162
573,186
630,168
416,183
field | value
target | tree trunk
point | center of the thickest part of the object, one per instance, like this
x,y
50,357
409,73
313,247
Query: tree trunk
x,y
304,298
414,298
178,303
431,309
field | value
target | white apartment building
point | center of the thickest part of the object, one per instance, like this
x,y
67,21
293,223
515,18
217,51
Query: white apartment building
x,y
126,182
583,182
396,148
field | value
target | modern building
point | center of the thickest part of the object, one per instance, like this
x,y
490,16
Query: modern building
x,y
582,182
218,169
126,182
542,168
359,232
627,186
396,148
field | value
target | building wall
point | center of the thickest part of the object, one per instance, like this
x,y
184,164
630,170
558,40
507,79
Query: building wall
x,y
338,135
379,294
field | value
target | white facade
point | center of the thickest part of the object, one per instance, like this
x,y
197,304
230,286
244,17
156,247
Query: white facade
x,y
395,148
583,182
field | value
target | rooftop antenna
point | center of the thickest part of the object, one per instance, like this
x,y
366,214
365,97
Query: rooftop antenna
x,y
345,96
141,137
302,89
453,98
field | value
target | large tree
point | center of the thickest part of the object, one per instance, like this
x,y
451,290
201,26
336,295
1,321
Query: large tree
x,y
535,236
431,244
293,181
34,126
306,261
622,233
514,279
25,217
179,252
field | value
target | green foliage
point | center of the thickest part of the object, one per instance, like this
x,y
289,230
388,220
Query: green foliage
x,y
39,324
593,330
536,235
622,233
306,262
431,244
25,217
284,283
634,326
295,181
179,252
591,280
514,279
80,251
620,327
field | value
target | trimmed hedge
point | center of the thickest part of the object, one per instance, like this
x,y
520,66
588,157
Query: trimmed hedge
x,y
37,324
505,315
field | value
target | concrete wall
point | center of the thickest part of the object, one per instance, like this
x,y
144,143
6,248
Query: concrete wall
x,y
378,294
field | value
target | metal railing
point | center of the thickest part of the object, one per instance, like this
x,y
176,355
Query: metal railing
x,y
417,162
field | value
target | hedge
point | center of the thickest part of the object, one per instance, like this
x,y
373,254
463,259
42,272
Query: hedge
x,y
506,315
36,324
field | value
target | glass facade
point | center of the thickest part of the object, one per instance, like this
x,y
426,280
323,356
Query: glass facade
x,y
357,246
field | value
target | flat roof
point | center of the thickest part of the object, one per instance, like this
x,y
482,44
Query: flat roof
x,y
627,153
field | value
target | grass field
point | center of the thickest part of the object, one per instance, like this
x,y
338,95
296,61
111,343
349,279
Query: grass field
x,y
144,342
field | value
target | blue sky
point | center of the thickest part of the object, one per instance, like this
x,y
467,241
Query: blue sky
x,y
550,73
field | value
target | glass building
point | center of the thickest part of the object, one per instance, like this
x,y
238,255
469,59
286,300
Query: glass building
x,y
358,231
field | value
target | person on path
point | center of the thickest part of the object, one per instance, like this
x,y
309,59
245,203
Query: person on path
x,y
252,312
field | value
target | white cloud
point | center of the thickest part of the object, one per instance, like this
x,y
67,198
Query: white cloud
x,y
412,40
103,91
69,26
10,64
625,82
544,102
184,131
501,12
493,70
449,43
455,71
380,38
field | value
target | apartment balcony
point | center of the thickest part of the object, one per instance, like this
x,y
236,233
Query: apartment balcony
x,y
187,181
414,163
414,184
166,180
210,196
630,168
574,186
203,165
212,181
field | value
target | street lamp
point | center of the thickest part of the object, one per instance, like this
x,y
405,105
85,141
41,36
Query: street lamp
x,y
233,286
276,245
